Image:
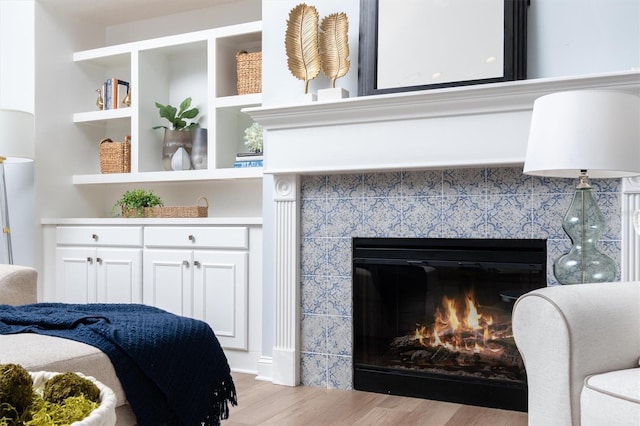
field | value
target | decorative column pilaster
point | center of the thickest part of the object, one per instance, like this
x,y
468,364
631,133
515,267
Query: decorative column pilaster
x,y
630,255
286,351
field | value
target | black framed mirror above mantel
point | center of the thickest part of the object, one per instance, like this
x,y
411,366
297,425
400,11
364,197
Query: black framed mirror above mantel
x,y
429,44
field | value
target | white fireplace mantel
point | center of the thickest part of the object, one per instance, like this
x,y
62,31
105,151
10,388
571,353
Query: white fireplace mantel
x,y
481,126
465,126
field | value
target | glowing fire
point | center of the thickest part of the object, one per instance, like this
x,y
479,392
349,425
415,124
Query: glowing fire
x,y
457,326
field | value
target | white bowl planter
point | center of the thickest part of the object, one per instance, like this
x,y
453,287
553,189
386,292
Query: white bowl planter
x,y
103,415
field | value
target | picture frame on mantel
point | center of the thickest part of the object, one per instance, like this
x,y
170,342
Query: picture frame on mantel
x,y
429,44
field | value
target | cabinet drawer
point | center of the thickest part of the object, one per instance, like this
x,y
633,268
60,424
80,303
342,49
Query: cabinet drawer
x,y
236,237
121,236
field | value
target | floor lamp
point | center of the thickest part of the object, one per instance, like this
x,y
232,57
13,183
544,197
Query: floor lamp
x,y
16,145
584,133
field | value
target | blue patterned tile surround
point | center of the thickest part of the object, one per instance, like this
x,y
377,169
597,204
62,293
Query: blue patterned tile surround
x,y
460,203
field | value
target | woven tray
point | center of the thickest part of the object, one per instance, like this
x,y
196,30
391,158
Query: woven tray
x,y
173,211
115,157
249,72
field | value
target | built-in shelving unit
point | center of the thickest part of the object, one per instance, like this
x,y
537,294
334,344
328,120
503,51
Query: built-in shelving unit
x,y
201,65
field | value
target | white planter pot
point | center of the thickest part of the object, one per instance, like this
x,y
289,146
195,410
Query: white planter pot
x,y
103,415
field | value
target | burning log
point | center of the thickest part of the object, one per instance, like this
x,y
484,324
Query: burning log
x,y
404,343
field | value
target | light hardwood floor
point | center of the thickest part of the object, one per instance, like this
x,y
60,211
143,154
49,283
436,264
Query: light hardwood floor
x,y
263,403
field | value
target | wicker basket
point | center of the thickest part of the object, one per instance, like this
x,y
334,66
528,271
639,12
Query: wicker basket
x,y
115,157
249,72
172,211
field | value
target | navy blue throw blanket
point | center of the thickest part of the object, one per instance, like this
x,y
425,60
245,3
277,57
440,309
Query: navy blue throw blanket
x,y
171,368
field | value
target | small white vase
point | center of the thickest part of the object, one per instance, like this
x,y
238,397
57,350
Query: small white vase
x,y
180,160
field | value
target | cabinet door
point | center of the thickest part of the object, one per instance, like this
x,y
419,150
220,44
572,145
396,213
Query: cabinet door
x,y
167,280
75,275
220,284
119,275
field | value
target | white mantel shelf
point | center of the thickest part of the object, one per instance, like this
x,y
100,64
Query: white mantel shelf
x,y
465,126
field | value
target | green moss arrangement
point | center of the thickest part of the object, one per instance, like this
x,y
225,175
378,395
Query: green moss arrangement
x,y
45,413
16,391
66,398
62,386
133,202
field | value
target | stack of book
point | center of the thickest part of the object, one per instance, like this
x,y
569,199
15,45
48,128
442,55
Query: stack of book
x,y
248,159
114,92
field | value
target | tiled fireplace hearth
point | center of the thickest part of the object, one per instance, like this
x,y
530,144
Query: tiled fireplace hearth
x,y
460,203
442,163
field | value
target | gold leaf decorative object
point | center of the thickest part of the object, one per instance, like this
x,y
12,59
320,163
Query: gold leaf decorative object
x,y
301,43
334,46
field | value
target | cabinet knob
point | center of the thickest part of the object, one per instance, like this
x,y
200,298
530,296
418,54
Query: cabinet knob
x,y
185,263
95,237
196,264
99,260
192,238
90,259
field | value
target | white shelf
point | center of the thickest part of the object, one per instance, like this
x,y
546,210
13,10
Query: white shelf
x,y
467,126
101,115
171,176
111,55
151,221
239,100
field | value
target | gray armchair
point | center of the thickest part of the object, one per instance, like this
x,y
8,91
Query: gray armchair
x,y
18,285
581,345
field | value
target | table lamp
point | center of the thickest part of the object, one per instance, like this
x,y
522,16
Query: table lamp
x,y
16,145
584,133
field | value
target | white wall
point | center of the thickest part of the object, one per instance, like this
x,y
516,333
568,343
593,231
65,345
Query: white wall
x,y
572,37
223,14
17,92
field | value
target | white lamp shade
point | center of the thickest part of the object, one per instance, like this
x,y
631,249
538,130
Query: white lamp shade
x,y
16,135
593,130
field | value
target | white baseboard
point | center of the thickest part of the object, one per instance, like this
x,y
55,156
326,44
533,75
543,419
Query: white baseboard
x,y
265,369
244,371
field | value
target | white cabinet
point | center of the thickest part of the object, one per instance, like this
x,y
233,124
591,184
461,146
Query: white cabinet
x,y
220,295
99,264
210,285
200,272
168,281
200,65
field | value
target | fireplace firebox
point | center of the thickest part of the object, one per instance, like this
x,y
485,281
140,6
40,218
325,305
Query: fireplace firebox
x,y
432,317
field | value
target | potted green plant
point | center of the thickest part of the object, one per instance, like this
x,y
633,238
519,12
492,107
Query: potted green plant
x,y
178,134
253,138
133,202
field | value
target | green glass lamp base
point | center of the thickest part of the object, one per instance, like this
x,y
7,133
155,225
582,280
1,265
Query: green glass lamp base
x,y
577,267
584,223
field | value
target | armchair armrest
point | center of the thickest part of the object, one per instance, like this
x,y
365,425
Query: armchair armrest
x,y
566,333
18,285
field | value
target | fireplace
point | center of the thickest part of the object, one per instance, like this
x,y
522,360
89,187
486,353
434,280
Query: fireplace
x,y
432,317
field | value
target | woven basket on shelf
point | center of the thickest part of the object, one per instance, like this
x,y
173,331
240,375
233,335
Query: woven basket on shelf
x,y
115,157
172,211
249,72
